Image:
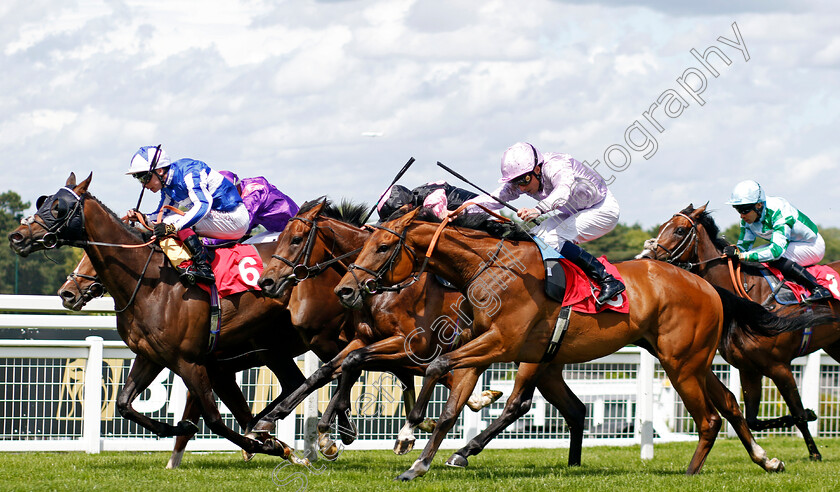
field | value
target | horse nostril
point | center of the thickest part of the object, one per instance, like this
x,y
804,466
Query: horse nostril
x,y
266,283
15,237
344,292
67,295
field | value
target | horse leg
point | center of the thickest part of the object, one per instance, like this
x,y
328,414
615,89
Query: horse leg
x,y
192,412
726,402
783,377
518,404
225,387
142,373
290,377
458,396
554,389
280,408
691,386
197,379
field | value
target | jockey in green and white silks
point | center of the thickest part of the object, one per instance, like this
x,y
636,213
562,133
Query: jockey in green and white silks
x,y
794,241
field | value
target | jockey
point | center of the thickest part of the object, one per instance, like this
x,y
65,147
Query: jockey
x,y
267,206
585,209
439,196
795,241
213,207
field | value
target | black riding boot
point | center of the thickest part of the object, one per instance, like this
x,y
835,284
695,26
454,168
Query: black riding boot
x,y
594,269
200,270
797,273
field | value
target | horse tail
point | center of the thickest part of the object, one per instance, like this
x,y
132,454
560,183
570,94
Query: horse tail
x,y
755,320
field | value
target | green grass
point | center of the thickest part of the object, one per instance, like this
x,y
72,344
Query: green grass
x,y
604,469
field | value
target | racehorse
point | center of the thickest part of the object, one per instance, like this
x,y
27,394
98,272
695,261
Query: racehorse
x,y
690,239
162,321
390,335
677,316
82,285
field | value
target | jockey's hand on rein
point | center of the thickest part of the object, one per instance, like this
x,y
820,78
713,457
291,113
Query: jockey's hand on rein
x,y
731,252
162,230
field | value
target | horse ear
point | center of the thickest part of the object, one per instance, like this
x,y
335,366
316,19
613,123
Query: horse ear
x,y
83,186
701,209
71,181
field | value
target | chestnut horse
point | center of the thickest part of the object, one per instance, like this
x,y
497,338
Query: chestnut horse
x,y
166,323
390,335
82,285
690,239
677,316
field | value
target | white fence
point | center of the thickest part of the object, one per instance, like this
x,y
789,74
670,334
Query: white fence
x,y
43,400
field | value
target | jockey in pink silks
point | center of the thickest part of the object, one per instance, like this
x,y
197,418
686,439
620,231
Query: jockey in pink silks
x,y
581,206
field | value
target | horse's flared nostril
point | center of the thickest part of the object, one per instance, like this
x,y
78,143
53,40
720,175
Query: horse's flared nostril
x,y
66,295
266,283
344,292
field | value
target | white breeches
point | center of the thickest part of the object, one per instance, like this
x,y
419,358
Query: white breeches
x,y
221,225
580,227
806,254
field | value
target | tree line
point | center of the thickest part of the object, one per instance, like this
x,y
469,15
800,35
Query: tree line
x,y
44,272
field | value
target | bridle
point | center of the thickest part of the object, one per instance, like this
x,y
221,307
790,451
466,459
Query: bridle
x,y
689,241
61,215
374,285
300,268
92,291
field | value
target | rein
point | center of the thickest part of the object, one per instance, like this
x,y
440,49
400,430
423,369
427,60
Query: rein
x,y
737,279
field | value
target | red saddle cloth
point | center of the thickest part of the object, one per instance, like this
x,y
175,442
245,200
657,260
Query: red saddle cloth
x,y
237,269
825,275
580,290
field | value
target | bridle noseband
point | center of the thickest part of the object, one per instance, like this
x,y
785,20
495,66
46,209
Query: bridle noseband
x,y
374,285
690,239
300,269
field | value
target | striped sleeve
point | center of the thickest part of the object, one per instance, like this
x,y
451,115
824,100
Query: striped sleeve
x,y
782,226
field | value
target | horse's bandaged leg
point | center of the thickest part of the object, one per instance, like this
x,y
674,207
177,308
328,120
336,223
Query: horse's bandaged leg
x,y
175,251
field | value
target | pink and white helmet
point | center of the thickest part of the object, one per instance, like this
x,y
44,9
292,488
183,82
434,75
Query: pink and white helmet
x,y
518,159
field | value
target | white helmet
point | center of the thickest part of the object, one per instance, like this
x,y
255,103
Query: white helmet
x,y
518,159
142,160
746,193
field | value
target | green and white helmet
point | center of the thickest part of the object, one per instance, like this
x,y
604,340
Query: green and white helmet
x,y
746,193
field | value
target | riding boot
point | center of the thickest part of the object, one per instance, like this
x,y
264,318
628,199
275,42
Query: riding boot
x,y
200,270
594,269
797,273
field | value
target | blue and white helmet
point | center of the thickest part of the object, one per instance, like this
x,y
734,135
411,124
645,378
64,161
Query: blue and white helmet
x,y
746,193
143,158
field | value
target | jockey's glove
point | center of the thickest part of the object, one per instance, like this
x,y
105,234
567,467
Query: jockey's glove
x,y
731,252
162,230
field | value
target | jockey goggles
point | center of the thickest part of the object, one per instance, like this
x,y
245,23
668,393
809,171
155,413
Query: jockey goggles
x,y
523,180
143,177
744,209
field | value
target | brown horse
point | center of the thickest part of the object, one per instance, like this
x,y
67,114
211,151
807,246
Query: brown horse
x,y
690,239
164,322
389,336
676,315
82,285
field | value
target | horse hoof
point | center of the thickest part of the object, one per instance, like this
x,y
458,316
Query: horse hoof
x,y
810,416
428,425
404,477
246,456
487,397
816,457
775,465
457,461
327,447
403,447
347,438
298,461
260,436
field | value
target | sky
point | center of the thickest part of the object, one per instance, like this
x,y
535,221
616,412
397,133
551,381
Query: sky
x,y
332,97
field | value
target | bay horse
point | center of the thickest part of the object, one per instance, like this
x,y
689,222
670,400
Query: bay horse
x,y
83,284
319,239
166,323
677,316
690,239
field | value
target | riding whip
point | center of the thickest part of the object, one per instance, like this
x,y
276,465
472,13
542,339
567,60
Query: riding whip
x,y
465,180
151,169
397,178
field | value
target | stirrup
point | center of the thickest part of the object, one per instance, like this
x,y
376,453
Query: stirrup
x,y
819,293
609,289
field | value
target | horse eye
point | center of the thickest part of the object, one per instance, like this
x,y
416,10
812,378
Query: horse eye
x,y
681,231
297,240
382,248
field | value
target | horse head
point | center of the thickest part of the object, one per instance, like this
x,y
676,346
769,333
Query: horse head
x,y
677,240
385,261
59,218
81,286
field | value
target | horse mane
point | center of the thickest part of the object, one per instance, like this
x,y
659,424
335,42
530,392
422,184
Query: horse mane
x,y
476,221
346,211
705,219
140,234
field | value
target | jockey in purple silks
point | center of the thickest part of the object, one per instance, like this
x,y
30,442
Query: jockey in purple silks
x,y
582,206
267,206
